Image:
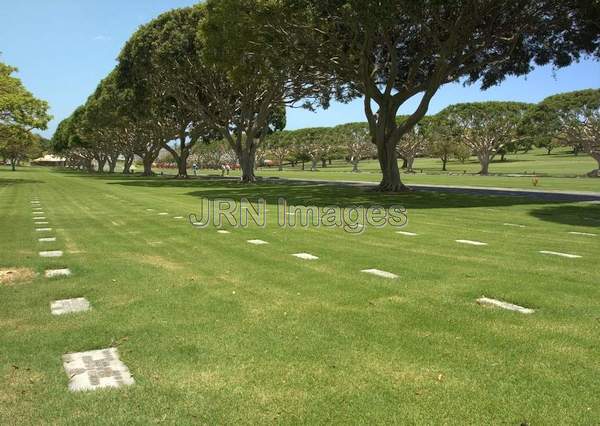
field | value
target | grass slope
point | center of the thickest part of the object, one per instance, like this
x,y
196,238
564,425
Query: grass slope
x,y
216,330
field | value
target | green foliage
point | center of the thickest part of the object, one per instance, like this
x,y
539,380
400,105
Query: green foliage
x,y
226,69
443,144
20,113
18,107
390,51
573,119
485,127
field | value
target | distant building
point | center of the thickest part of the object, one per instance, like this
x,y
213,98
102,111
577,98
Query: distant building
x,y
49,160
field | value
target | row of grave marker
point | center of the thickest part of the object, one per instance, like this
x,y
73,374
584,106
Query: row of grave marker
x,y
389,275
89,370
102,368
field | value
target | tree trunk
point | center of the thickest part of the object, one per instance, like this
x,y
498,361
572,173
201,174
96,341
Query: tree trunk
x,y
313,165
280,167
182,156
444,162
404,163
484,160
180,160
13,164
247,157
330,161
148,159
595,173
409,164
323,163
127,164
112,164
101,163
388,162
355,166
303,166
182,164
88,165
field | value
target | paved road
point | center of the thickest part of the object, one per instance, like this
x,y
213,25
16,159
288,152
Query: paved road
x,y
569,196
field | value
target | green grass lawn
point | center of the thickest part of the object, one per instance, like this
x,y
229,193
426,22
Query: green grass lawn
x,y
217,331
559,171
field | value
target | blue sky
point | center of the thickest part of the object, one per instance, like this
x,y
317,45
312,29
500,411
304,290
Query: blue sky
x,y
63,48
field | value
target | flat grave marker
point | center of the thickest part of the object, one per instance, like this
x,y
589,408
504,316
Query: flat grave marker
x,y
52,273
556,253
470,242
257,242
96,369
69,306
51,253
305,256
504,305
380,273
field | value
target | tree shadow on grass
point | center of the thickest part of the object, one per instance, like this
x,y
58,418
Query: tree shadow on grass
x,y
576,215
326,194
9,182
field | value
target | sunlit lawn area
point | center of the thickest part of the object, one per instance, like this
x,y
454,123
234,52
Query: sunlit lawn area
x,y
218,331
559,171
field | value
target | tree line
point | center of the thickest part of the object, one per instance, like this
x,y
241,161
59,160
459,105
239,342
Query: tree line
x,y
483,129
20,114
225,70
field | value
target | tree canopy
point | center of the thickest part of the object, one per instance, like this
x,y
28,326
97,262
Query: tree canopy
x,y
226,69
485,127
391,51
20,114
570,119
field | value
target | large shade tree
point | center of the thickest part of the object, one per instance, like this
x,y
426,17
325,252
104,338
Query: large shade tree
x,y
313,143
414,142
70,140
108,115
256,64
571,119
101,124
485,127
158,64
357,140
391,51
279,146
442,143
20,114
194,68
